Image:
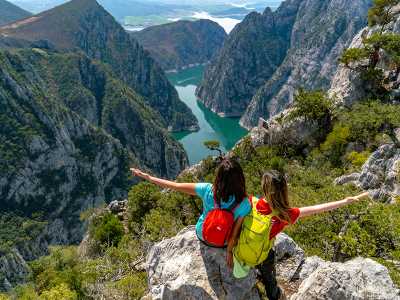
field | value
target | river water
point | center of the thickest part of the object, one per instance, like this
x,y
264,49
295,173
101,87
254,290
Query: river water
x,y
212,127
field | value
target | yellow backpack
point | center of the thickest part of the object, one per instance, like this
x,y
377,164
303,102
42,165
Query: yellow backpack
x,y
254,244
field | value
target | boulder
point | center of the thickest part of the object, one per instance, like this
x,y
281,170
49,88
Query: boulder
x,y
358,279
184,268
380,175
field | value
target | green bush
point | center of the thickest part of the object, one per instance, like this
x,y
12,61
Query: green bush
x,y
358,159
312,105
107,229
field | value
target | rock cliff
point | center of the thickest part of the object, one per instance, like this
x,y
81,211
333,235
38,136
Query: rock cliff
x,y
85,25
249,57
180,44
11,13
347,86
70,130
183,268
323,29
267,57
380,174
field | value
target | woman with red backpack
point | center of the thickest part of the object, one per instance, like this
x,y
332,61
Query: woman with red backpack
x,y
224,202
253,237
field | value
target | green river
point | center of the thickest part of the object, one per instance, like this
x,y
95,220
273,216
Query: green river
x,y
212,127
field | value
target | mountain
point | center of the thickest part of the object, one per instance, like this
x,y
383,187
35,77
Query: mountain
x,y
85,25
324,29
11,13
70,130
179,44
250,55
311,42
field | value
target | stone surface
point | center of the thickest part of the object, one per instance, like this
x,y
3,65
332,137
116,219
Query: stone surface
x,y
281,131
380,175
358,279
184,268
181,44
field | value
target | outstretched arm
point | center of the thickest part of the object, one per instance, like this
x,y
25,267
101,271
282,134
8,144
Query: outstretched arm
x,y
233,241
187,188
317,209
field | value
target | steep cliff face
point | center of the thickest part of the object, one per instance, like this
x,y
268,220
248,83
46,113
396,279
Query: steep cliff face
x,y
11,13
85,25
249,57
70,130
323,29
183,43
347,86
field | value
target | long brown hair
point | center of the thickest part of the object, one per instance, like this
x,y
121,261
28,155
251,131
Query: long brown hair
x,y
229,181
275,189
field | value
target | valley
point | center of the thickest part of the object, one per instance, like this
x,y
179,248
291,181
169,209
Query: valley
x,y
212,127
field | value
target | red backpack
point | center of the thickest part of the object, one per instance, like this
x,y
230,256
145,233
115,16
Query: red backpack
x,y
218,225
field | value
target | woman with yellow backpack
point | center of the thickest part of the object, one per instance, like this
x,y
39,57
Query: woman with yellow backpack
x,y
253,237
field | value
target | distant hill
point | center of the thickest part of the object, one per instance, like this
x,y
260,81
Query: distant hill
x,y
85,25
11,13
179,44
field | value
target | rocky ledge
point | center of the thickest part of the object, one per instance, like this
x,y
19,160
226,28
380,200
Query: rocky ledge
x,y
184,268
380,175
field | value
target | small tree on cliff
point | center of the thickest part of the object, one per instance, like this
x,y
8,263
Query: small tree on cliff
x,y
214,146
365,59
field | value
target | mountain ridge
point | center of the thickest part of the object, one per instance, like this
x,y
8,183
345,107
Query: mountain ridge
x,y
183,43
86,26
10,13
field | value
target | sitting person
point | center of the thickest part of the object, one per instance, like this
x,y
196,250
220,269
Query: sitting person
x,y
252,238
224,202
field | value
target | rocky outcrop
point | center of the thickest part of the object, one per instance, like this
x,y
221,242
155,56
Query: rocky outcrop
x,y
85,25
184,268
285,132
380,175
323,29
11,13
180,44
249,57
347,86
357,279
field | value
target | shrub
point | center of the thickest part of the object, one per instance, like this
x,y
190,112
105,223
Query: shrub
x,y
59,292
107,229
312,105
358,159
141,199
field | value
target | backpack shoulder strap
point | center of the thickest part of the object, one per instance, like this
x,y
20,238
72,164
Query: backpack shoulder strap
x,y
215,201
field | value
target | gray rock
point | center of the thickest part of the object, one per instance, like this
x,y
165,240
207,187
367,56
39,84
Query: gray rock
x,y
289,257
184,268
299,133
347,86
380,174
358,279
250,55
117,207
323,29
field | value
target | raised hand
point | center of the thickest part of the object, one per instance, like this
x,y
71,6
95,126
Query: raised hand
x,y
139,173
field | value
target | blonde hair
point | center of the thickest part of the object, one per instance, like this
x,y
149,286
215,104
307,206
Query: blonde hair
x,y
275,189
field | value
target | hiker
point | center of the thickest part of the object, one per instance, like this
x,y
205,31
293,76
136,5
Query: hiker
x,y
224,202
253,237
